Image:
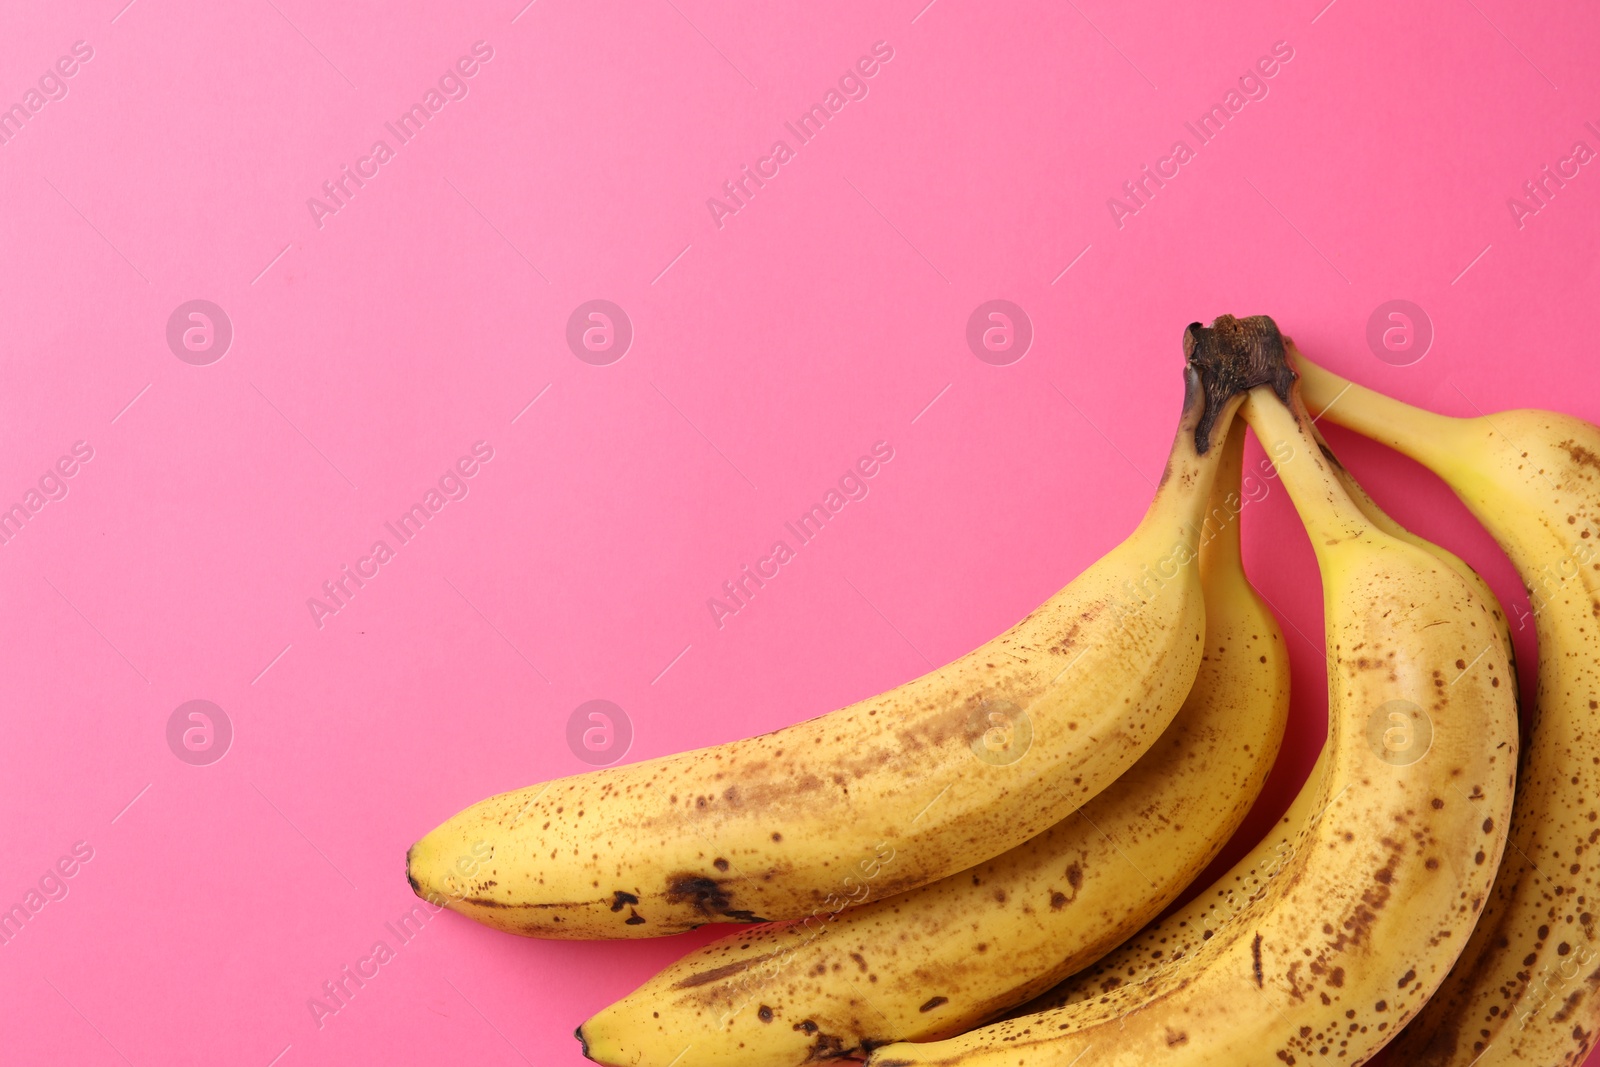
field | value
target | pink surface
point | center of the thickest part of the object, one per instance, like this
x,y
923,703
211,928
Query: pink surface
x,y
375,345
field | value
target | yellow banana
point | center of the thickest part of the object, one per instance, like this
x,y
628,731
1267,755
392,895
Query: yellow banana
x,y
1525,990
940,959
1362,918
880,797
1172,938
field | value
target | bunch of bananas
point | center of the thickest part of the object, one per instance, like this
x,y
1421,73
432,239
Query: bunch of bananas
x,y
969,868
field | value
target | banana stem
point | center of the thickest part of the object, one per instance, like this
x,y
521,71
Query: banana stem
x,y
1330,516
1223,362
1180,507
1423,435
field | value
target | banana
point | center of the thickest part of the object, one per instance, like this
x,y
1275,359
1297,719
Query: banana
x,y
1524,992
1363,916
880,797
1175,936
940,959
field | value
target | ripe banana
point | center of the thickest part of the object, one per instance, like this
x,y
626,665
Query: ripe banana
x,y
940,959
888,794
1525,990
1175,936
1363,916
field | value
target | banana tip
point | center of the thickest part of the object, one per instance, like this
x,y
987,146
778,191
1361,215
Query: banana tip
x,y
583,1042
416,887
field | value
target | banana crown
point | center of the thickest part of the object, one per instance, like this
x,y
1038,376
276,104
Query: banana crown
x,y
1391,847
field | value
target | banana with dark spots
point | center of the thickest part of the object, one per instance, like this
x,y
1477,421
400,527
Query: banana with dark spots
x,y
937,960
1395,843
1527,988
878,798
1177,935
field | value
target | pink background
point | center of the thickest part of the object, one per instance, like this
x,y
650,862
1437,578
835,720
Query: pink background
x,y
827,314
